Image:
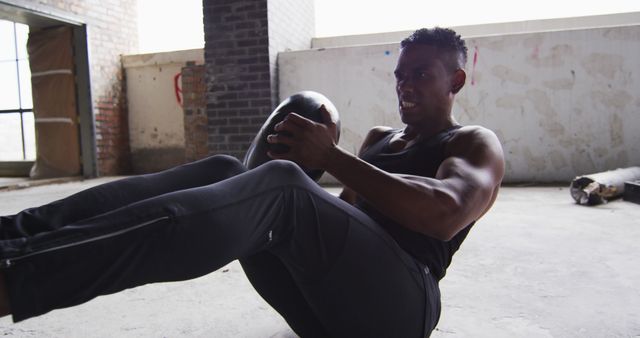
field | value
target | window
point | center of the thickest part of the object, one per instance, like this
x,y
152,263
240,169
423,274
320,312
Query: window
x,y
17,129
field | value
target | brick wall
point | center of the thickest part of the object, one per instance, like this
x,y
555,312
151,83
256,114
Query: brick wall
x,y
195,114
112,136
112,31
238,78
241,46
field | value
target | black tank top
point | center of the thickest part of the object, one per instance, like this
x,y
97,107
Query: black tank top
x,y
422,159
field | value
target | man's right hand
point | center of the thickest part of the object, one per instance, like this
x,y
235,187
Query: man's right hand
x,y
310,143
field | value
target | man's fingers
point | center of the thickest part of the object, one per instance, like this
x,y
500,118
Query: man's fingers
x,y
292,125
327,119
329,122
289,129
299,120
280,138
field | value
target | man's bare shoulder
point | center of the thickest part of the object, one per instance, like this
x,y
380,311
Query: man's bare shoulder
x,y
469,135
473,141
379,130
374,135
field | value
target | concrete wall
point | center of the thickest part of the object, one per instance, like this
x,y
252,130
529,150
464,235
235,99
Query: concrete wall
x,y
291,27
156,118
563,102
502,28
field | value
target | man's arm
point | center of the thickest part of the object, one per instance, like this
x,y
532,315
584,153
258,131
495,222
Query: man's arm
x,y
464,188
374,135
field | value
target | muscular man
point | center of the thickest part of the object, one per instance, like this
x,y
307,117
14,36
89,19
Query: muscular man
x,y
364,266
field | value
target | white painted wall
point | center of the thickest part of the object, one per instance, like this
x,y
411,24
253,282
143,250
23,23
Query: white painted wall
x,y
502,28
563,103
156,119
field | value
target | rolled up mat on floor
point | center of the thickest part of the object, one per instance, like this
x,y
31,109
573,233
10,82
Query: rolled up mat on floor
x,y
598,188
306,104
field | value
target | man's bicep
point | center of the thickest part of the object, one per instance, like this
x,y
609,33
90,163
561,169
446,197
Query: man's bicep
x,y
473,176
477,156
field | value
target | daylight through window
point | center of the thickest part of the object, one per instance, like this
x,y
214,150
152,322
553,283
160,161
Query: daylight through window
x,y
17,130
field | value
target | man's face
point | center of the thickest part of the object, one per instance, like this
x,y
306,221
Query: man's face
x,y
423,85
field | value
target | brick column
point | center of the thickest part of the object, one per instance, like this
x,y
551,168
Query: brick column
x,y
112,135
195,115
242,39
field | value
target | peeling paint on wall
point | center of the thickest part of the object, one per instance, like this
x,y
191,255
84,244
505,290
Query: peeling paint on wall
x,y
616,133
603,65
558,160
555,57
560,84
615,100
507,74
511,102
535,162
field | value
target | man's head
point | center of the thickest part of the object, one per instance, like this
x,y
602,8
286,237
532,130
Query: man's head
x,y
428,75
445,39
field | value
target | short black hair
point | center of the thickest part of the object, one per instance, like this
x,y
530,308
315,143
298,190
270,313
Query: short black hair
x,y
444,38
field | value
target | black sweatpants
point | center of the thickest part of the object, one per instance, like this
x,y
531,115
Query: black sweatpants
x,y
328,268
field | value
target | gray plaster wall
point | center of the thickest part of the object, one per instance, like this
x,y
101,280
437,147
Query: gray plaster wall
x,y
563,103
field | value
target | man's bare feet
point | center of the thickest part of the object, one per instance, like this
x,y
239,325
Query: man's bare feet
x,y
5,309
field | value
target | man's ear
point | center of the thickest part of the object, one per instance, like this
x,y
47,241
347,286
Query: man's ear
x,y
457,80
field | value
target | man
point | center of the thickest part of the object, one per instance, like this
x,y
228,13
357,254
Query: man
x,y
331,269
466,183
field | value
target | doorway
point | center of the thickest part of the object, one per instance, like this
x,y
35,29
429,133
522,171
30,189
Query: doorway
x,y
47,124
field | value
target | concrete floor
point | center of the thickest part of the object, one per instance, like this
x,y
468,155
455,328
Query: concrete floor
x,y
11,181
536,266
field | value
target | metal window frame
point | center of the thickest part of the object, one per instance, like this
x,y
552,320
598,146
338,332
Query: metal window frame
x,y
19,110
